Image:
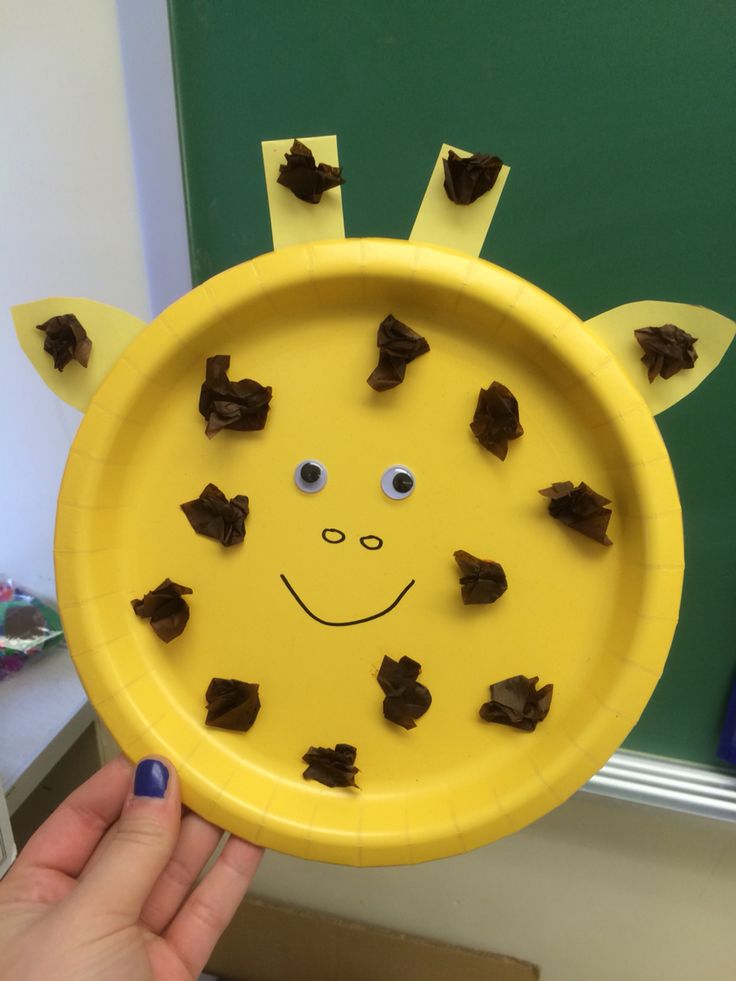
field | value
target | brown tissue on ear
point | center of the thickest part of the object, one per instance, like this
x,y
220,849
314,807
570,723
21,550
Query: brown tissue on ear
x,y
66,340
667,350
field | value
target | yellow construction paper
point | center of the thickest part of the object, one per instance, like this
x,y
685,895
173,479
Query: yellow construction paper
x,y
109,328
462,227
596,622
294,221
615,329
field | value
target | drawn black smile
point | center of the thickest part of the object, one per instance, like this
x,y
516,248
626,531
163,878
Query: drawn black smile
x,y
345,623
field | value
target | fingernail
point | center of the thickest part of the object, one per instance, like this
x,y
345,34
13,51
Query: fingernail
x,y
151,778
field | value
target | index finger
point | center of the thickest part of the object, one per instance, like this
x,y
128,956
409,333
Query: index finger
x,y
67,839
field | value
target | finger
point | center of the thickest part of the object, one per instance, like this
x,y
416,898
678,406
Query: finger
x,y
105,842
65,841
100,850
203,917
119,883
197,841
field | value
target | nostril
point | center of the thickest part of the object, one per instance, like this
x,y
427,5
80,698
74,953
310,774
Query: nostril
x,y
371,541
333,535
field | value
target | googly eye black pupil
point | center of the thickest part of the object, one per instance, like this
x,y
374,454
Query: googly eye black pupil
x,y
402,483
310,473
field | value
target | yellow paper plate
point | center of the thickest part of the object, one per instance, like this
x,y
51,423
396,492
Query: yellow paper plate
x,y
597,622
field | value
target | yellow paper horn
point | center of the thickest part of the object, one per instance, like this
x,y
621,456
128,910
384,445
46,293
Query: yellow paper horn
x,y
294,222
462,227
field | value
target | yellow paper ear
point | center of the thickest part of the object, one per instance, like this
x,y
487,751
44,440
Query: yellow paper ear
x,y
615,329
109,329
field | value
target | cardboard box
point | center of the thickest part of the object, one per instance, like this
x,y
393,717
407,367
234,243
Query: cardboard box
x,y
270,942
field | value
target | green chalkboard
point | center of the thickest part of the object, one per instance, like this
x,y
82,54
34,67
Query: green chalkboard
x,y
617,119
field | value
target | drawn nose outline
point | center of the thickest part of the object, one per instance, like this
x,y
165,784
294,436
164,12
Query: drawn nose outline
x,y
335,536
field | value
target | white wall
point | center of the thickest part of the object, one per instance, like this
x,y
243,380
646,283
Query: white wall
x,y
596,891
83,212
68,225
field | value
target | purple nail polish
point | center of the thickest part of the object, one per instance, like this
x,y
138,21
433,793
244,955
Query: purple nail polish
x,y
151,778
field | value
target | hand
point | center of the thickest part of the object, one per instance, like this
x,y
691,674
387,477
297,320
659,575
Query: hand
x,y
101,892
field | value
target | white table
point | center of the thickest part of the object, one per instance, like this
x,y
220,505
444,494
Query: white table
x,y
43,711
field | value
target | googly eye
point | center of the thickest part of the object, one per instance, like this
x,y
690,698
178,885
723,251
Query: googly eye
x,y
397,483
310,476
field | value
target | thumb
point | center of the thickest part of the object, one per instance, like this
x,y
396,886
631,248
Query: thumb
x,y
120,882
